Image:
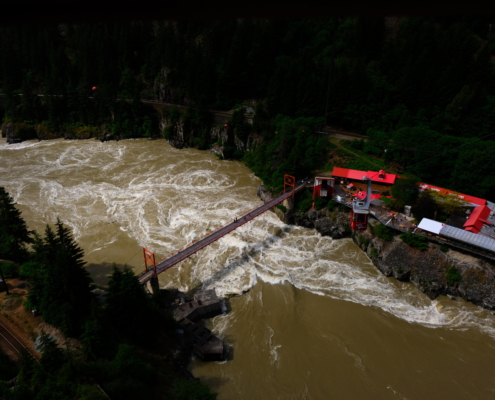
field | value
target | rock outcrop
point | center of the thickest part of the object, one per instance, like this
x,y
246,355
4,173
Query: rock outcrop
x,y
433,271
16,133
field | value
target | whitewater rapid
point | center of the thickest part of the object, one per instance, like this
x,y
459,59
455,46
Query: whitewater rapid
x,y
162,198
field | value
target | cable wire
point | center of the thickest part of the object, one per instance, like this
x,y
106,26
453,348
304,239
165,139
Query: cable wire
x,y
438,155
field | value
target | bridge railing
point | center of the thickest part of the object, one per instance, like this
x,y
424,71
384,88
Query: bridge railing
x,y
229,222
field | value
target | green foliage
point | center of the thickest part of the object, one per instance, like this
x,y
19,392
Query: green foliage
x,y
304,205
386,200
444,248
330,205
60,283
373,252
295,149
9,269
363,240
282,208
416,241
405,191
126,377
191,390
129,309
320,203
384,233
14,234
425,207
453,276
238,123
450,204
53,357
428,122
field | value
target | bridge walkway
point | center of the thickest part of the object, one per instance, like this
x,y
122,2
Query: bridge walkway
x,y
191,248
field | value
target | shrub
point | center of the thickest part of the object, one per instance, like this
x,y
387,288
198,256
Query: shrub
x,y
416,241
320,203
363,240
444,248
387,201
357,144
330,205
9,269
282,208
168,132
453,276
305,204
396,204
384,233
374,252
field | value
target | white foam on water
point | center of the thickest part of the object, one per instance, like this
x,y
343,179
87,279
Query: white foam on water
x,y
164,198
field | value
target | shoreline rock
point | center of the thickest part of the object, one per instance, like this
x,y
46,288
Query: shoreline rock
x,y
433,271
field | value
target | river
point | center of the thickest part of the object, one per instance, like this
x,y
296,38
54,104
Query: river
x,y
316,321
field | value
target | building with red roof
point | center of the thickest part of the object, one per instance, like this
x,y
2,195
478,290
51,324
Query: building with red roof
x,y
477,219
353,174
475,201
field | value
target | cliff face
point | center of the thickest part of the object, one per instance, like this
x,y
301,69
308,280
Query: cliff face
x,y
179,134
16,133
432,271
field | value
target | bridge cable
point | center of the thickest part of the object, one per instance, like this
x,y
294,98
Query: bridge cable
x,y
133,256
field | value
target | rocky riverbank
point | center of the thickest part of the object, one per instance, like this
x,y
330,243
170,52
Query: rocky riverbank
x,y
438,270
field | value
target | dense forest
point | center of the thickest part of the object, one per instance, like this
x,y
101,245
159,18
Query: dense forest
x,y
121,338
422,88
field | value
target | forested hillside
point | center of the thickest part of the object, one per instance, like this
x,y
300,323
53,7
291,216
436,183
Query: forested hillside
x,y
418,86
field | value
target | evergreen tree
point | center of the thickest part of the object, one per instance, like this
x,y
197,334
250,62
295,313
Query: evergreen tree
x,y
130,310
14,234
61,284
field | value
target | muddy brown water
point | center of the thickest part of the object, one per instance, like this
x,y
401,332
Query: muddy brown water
x,y
316,320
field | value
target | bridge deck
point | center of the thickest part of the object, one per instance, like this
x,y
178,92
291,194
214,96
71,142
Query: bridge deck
x,y
209,238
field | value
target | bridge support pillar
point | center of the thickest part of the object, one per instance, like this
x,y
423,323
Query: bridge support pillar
x,y
152,285
289,203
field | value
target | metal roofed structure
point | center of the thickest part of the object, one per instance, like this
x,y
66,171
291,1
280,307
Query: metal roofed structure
x,y
431,226
481,241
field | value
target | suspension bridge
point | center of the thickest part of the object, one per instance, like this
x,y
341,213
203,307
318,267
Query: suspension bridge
x,y
153,268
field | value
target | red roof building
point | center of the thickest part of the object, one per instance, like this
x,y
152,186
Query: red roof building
x,y
477,219
378,177
464,197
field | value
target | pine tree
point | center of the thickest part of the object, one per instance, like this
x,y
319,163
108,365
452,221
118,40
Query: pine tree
x,y
61,284
14,234
129,308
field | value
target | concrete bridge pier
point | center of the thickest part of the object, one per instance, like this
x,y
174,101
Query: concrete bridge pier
x,y
152,285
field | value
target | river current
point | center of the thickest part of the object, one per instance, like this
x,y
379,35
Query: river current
x,y
314,318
